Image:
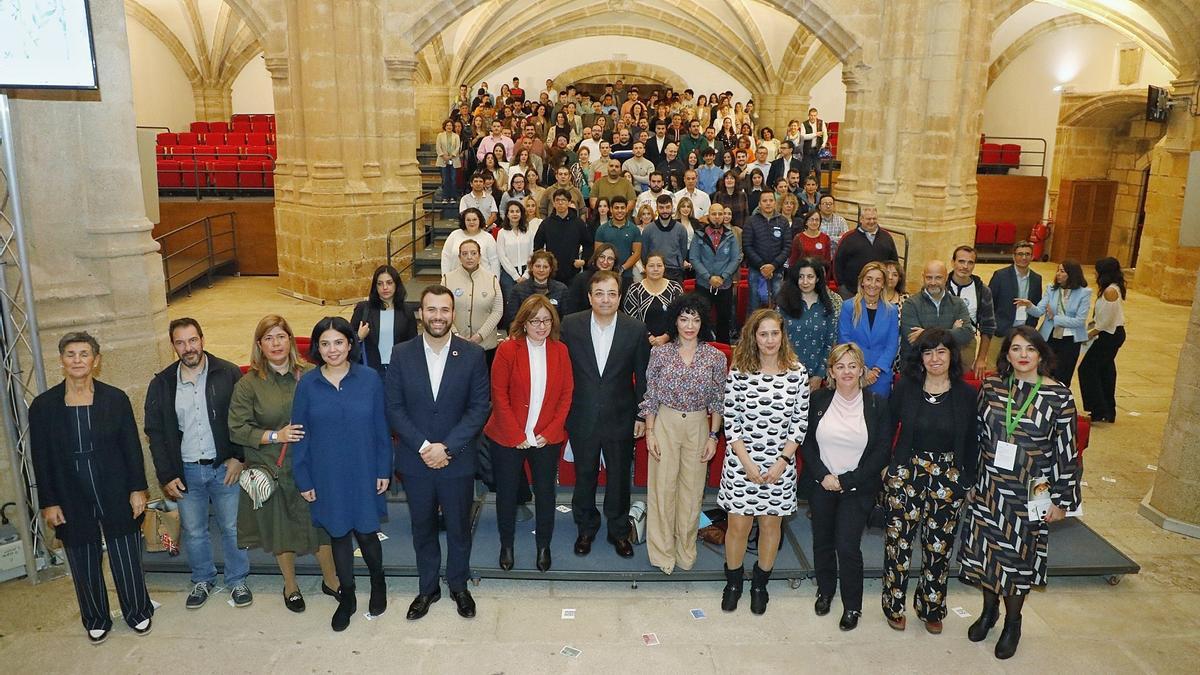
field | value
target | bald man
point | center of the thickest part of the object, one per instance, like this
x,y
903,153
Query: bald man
x,y
933,307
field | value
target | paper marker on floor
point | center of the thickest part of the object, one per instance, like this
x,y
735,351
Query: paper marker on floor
x,y
962,613
1106,479
568,613
698,614
570,652
649,639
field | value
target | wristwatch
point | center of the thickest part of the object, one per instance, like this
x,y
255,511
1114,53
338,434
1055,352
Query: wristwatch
x,y
712,435
274,436
786,458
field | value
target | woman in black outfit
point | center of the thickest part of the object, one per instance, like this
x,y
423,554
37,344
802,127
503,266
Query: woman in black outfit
x,y
604,257
87,458
933,465
384,301
847,446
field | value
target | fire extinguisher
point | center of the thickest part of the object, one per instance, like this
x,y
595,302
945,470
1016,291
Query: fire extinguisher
x,y
1038,237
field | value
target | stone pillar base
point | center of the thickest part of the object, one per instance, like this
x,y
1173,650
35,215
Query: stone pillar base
x,y
1147,511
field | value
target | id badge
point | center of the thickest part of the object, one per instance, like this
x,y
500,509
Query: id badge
x,y
1006,455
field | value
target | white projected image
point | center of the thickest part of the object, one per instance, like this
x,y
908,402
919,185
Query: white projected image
x,y
46,43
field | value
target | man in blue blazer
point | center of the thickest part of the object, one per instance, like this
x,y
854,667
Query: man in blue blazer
x,y
437,403
1008,284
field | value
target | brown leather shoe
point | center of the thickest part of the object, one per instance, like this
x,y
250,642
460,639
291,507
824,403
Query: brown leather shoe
x,y
934,627
898,623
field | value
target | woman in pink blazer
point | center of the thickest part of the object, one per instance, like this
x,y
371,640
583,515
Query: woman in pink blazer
x,y
531,395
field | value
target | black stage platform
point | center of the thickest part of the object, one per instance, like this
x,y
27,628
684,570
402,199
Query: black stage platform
x,y
1075,550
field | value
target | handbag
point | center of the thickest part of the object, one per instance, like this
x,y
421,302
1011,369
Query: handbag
x,y
637,522
260,482
161,527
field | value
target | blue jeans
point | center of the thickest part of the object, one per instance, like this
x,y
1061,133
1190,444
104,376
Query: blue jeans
x,y
205,484
449,176
756,279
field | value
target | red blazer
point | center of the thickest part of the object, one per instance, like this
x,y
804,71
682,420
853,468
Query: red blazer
x,y
510,394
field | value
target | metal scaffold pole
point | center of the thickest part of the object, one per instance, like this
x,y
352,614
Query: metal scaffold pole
x,y
22,372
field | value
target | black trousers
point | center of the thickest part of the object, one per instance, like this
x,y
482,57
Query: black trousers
x,y
1098,375
508,467
454,496
343,555
810,162
838,521
125,561
618,461
722,303
1066,354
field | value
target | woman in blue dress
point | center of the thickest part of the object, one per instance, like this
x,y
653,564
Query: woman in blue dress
x,y
343,464
873,324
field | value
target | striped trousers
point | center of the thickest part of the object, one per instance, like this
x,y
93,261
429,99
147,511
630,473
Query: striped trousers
x,y
125,562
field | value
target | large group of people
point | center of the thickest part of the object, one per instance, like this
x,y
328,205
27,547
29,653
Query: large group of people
x,y
848,399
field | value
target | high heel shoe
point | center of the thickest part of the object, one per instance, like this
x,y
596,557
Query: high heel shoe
x,y
506,558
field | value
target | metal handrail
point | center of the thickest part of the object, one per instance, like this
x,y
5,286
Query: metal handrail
x,y
411,223
213,257
895,233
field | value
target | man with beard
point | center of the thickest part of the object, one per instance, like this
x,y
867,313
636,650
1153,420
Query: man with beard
x,y
437,402
187,422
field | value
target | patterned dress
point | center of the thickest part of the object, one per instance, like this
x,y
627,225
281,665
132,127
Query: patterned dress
x,y
765,411
814,333
1002,550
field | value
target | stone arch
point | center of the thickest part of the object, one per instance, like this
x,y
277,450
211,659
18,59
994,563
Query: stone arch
x,y
1027,40
810,13
1101,110
612,69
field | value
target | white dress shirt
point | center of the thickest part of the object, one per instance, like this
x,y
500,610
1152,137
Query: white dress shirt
x,y
700,202
537,387
436,363
602,339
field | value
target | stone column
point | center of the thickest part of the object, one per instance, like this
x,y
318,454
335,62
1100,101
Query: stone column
x,y
214,102
774,110
1166,269
433,106
1174,503
95,266
347,168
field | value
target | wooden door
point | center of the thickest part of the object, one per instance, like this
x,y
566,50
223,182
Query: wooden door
x,y
1084,220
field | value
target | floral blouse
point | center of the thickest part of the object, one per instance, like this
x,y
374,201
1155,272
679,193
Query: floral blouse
x,y
685,387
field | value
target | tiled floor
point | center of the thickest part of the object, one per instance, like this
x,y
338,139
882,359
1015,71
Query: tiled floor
x,y
1148,623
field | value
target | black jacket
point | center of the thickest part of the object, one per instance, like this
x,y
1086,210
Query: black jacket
x,y
404,328
905,404
1004,290
118,460
855,251
162,425
605,405
868,477
564,237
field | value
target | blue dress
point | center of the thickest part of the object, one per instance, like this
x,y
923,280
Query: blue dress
x,y
346,447
879,339
813,334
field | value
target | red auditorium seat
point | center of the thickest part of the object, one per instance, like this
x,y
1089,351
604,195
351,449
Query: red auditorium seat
x,y
235,138
250,173
990,155
260,127
205,152
167,139
224,172
212,138
985,234
178,151
189,138
218,127
1006,234
242,127
240,117
1010,155
228,151
257,152
268,167
168,173
199,127
302,345
257,138
261,118
193,172
160,151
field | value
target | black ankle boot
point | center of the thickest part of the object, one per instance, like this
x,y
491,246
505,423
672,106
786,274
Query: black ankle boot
x,y
1006,646
378,603
978,631
758,589
347,606
735,581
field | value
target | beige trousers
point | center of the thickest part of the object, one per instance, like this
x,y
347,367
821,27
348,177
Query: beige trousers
x,y
676,488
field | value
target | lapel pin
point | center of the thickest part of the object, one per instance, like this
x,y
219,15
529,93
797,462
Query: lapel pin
x,y
453,353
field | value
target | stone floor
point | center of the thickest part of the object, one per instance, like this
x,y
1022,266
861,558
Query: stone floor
x,y
1148,623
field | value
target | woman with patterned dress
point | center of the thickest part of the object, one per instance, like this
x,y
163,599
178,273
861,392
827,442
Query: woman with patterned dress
x,y
685,385
648,300
766,418
810,316
1027,451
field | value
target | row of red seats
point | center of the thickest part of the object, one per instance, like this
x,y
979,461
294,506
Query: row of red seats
x,y
215,138
833,137
245,126
995,234
215,151
996,154
224,174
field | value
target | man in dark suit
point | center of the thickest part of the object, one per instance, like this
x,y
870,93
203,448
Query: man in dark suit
x,y
609,353
781,166
438,400
656,145
1007,285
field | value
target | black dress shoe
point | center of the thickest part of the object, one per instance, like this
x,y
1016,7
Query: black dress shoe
x,y
466,604
506,558
543,559
822,605
849,619
420,605
623,547
1010,637
329,591
583,544
294,601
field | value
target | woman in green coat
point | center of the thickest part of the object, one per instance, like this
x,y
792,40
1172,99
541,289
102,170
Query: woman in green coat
x,y
260,420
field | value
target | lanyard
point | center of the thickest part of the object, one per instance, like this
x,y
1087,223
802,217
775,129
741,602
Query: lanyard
x,y
1010,423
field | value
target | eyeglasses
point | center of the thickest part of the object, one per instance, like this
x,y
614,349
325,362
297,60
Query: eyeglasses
x,y
539,323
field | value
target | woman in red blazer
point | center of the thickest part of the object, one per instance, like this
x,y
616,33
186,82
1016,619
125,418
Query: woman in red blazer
x,y
531,395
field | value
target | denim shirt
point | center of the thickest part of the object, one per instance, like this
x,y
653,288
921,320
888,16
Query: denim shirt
x,y
191,407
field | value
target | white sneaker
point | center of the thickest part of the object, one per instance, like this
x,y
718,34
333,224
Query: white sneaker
x,y
97,636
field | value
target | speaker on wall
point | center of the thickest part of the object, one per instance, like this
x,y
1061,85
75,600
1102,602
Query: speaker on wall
x,y
1189,223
